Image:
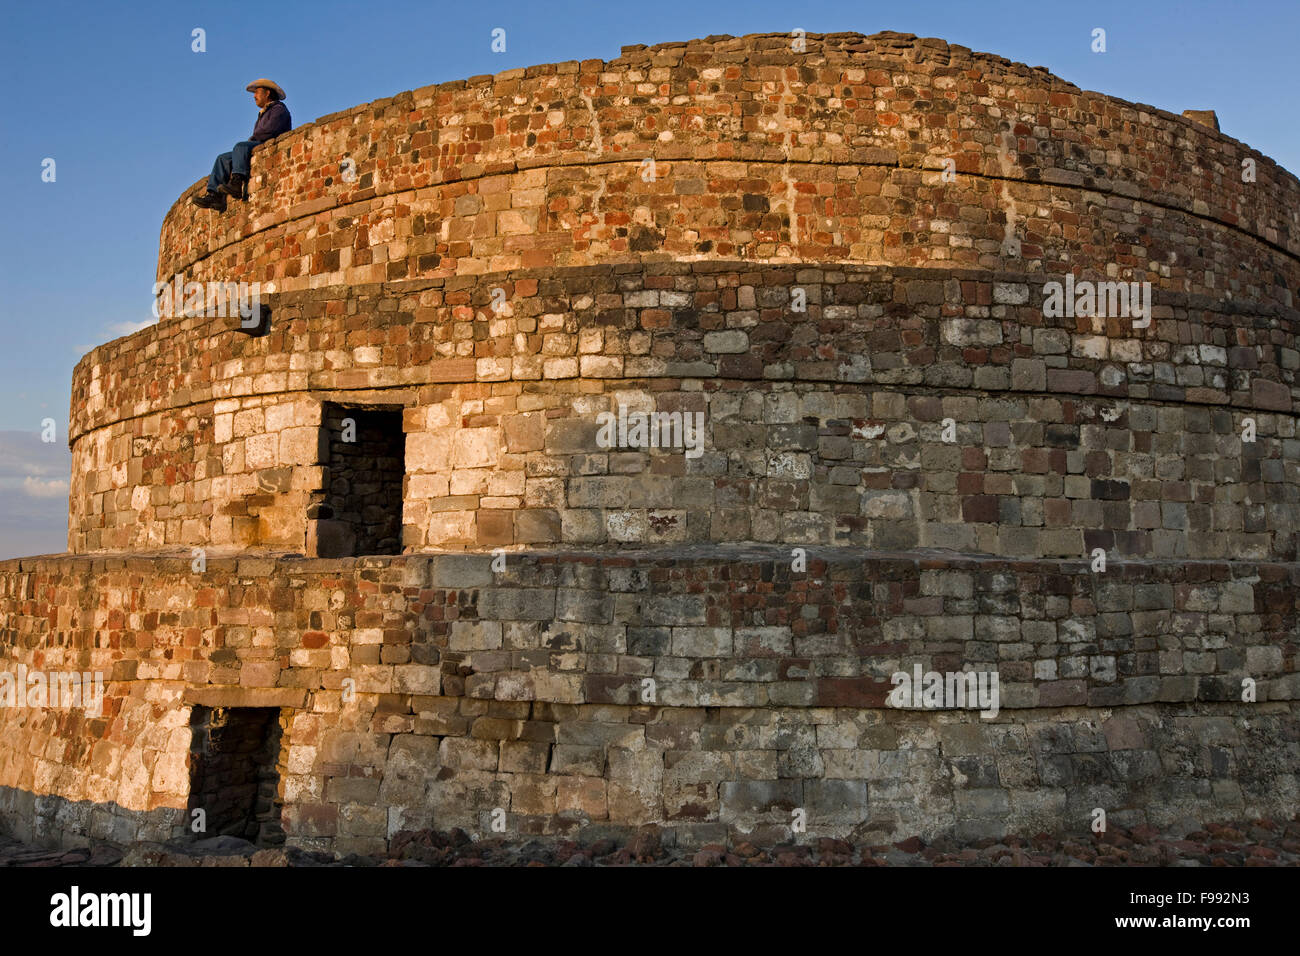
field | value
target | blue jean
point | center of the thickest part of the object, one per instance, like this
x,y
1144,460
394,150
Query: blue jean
x,y
233,162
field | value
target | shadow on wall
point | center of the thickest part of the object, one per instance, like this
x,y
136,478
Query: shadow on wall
x,y
51,821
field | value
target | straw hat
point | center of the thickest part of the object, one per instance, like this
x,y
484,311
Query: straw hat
x,y
268,85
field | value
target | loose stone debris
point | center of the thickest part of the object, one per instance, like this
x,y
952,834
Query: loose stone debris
x,y
1261,842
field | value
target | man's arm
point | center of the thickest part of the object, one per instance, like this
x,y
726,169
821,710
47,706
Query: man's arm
x,y
273,122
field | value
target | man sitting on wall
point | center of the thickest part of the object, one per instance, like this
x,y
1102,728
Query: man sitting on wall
x,y
230,171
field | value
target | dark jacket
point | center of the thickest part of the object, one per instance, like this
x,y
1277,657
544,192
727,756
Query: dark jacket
x,y
271,122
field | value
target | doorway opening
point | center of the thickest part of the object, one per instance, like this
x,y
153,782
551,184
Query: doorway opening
x,y
364,473
234,773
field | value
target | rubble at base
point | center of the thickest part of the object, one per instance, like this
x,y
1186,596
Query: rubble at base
x,y
1262,842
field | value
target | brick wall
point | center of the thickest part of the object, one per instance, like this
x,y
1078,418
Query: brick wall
x,y
834,153
521,689
776,173
819,427
505,266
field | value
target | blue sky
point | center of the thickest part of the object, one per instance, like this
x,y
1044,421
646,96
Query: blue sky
x,y
132,117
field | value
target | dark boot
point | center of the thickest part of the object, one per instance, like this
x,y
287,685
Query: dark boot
x,y
237,187
210,201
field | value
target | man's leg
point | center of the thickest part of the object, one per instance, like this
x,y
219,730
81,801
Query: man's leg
x,y
239,169
220,172
240,155
214,198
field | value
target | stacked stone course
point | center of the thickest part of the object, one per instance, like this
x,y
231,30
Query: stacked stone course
x,y
905,462
477,689
1067,428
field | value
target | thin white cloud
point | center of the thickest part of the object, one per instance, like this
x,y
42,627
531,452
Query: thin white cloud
x,y
23,454
45,487
33,494
126,328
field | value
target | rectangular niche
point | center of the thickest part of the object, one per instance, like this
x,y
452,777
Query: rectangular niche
x,y
361,510
234,772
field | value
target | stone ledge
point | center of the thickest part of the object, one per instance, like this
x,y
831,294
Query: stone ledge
x,y
244,697
476,564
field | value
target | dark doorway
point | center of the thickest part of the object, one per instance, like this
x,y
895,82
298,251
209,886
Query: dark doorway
x,y
234,775
363,483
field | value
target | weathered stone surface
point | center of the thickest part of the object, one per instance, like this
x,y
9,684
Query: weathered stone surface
x,y
788,442
521,697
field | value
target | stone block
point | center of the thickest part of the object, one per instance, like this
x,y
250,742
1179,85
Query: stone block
x,y
743,799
